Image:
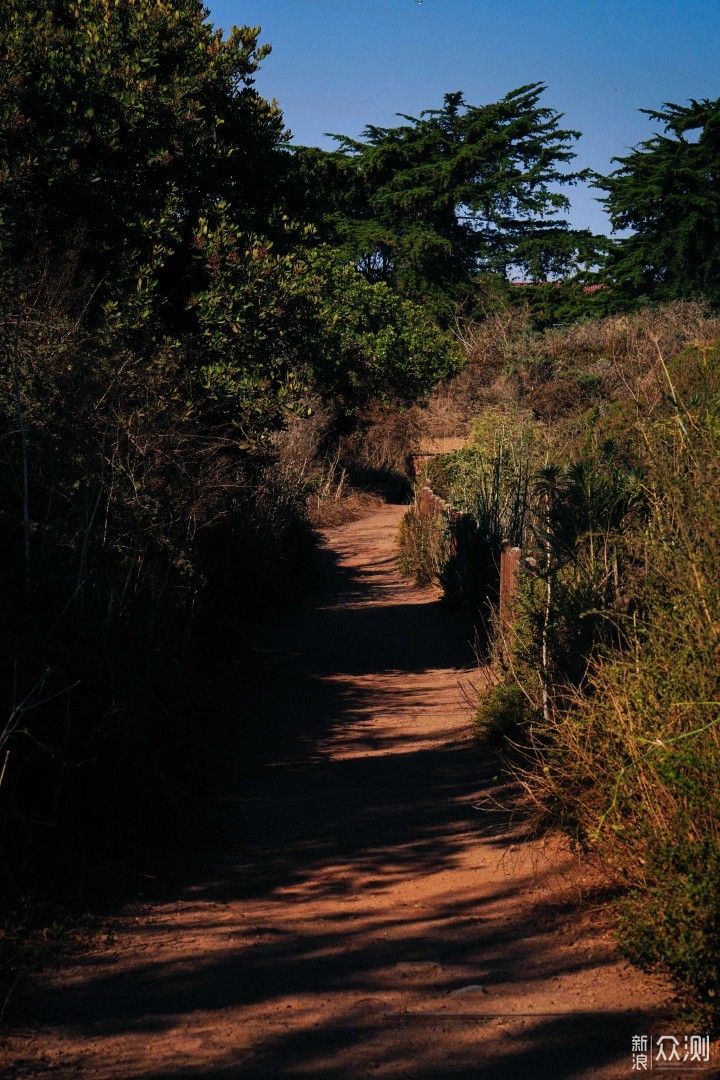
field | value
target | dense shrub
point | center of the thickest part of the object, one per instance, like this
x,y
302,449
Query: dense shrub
x,y
607,679
502,715
559,373
479,500
621,636
131,532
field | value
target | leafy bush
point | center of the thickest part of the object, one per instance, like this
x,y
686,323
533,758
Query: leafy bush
x,y
129,531
375,346
673,922
488,480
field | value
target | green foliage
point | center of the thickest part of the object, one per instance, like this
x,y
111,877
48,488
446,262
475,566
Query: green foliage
x,y
374,345
123,124
137,155
628,756
502,715
674,924
486,487
585,503
667,191
256,327
489,484
569,600
560,303
457,191
423,544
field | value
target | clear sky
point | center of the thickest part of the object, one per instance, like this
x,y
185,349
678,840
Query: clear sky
x,y
338,65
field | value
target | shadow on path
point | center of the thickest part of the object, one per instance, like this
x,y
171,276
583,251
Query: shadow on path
x,y
360,920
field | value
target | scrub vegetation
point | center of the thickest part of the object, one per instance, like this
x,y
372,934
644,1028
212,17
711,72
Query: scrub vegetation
x,y
606,684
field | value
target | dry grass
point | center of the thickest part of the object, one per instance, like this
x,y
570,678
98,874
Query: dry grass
x,y
628,761
560,373
609,693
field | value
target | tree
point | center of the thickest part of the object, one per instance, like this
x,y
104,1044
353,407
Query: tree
x,y
454,192
137,157
373,345
133,137
668,191
160,315
122,124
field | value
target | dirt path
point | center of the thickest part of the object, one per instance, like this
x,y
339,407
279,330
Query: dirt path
x,y
371,916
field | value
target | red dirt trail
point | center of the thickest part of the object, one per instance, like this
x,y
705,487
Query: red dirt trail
x,y
372,913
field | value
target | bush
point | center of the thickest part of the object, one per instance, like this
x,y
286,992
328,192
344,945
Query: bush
x,y
609,677
422,540
628,761
502,715
131,530
673,923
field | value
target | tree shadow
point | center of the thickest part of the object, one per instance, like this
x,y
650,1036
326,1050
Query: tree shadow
x,y
296,896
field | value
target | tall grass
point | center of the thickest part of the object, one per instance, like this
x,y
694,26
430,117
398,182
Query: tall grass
x,y
608,681
630,762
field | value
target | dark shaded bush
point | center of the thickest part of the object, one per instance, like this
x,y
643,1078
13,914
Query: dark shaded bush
x,y
502,715
132,535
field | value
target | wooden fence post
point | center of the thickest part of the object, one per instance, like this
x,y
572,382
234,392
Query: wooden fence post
x,y
509,566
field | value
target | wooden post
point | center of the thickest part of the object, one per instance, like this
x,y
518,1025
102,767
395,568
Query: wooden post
x,y
509,566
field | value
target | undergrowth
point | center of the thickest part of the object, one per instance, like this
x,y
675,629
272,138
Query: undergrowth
x,y
607,680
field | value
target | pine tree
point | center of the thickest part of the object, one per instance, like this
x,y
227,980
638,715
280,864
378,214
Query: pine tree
x,y
453,193
668,191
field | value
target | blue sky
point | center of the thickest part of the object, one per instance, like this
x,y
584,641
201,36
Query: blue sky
x,y
338,65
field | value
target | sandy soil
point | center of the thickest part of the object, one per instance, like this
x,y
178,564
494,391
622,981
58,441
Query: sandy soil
x,y
372,913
